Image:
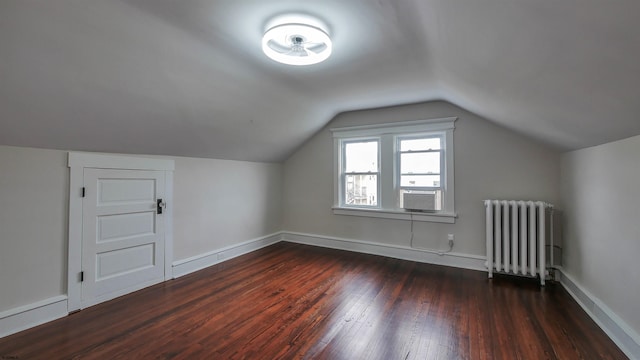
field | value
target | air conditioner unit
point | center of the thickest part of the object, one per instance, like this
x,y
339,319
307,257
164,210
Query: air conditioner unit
x,y
419,202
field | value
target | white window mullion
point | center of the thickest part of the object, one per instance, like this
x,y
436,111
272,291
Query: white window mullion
x,y
387,153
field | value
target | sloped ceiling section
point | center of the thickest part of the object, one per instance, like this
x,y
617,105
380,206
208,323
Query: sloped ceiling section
x,y
188,77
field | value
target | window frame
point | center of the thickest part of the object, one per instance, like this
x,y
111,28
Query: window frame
x,y
398,165
390,135
399,152
343,173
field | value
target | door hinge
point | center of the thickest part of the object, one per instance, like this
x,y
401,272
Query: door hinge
x,y
81,276
83,191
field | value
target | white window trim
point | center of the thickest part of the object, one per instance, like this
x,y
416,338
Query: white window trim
x,y
387,209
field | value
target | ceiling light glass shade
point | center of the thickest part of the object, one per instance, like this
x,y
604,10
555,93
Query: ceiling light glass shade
x,y
296,44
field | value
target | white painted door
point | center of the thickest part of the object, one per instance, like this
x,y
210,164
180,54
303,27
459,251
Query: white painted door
x,y
122,233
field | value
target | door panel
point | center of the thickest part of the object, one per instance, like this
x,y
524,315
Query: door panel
x,y
120,262
125,191
123,239
123,226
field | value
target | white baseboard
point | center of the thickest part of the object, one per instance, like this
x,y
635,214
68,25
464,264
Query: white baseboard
x,y
465,261
199,262
624,336
28,316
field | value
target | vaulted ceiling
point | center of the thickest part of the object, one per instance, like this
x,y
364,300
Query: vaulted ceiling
x,y
188,77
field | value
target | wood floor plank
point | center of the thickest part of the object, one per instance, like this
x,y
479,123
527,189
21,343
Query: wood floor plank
x,y
290,301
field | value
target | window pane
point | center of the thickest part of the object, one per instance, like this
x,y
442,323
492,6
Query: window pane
x,y
361,190
361,156
420,163
420,180
420,144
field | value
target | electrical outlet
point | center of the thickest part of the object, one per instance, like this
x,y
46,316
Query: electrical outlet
x,y
450,237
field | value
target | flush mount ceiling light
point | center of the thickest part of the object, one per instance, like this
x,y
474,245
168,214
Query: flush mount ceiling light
x,y
296,41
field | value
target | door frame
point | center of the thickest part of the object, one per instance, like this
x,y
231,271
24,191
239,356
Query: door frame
x,y
77,162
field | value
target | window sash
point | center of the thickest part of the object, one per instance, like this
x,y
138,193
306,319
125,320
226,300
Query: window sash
x,y
361,173
418,151
356,193
420,163
421,174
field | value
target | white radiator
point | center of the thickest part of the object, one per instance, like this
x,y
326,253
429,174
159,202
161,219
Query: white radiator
x,y
517,235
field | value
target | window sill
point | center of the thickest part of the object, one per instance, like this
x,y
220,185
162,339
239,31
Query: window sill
x,y
448,218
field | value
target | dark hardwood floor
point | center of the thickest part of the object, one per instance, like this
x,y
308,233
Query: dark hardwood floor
x,y
292,301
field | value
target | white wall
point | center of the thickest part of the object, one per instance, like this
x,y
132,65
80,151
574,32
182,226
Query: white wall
x,y
490,162
34,188
217,203
601,197
221,202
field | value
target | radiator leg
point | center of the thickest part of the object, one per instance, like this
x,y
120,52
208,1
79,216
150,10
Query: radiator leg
x,y
489,236
542,267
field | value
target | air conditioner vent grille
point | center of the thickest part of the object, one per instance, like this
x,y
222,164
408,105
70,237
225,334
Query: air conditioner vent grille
x,y
419,201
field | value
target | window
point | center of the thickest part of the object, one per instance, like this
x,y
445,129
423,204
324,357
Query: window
x,y
401,170
360,172
420,164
